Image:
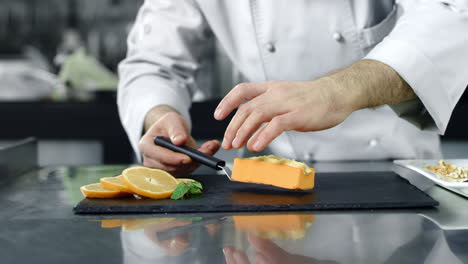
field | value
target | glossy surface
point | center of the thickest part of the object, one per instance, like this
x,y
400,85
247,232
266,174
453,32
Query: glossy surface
x,y
38,226
370,190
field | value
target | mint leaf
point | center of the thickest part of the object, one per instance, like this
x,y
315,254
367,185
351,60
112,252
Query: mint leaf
x,y
187,190
194,191
180,191
196,185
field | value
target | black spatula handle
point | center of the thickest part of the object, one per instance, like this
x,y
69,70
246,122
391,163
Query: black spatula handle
x,y
196,155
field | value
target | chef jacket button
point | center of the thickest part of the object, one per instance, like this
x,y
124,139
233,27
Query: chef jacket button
x,y
337,36
373,142
147,29
307,157
270,47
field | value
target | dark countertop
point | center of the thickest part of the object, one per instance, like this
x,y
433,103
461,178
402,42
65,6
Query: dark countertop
x,y
38,226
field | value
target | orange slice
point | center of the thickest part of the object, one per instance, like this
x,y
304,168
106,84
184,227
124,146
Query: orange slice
x,y
114,183
152,183
185,180
96,190
111,223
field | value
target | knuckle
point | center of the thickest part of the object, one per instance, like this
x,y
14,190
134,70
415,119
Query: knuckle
x,y
165,117
142,144
271,83
174,116
245,109
241,86
258,116
277,123
168,118
147,163
267,134
242,131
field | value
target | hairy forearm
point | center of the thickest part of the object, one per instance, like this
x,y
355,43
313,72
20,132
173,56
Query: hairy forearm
x,y
370,83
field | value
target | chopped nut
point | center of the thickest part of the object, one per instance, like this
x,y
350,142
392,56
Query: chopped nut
x,y
449,172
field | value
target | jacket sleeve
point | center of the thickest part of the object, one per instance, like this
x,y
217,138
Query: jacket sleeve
x,y
163,49
429,49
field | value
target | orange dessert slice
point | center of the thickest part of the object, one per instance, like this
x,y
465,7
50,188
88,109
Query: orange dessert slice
x,y
274,171
273,226
152,183
96,190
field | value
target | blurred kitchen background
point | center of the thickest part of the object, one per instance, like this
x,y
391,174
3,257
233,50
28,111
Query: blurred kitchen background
x,y
58,61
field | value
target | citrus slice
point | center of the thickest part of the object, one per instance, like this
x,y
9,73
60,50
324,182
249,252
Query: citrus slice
x,y
111,223
96,190
152,183
185,180
114,183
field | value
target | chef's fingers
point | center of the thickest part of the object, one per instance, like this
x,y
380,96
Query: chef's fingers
x,y
266,251
262,259
164,155
255,119
240,257
212,229
175,246
177,171
271,130
248,127
171,125
262,245
210,147
239,118
177,130
152,163
231,129
191,142
255,136
241,92
228,257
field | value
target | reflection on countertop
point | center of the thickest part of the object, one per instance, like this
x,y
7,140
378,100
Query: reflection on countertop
x,y
40,227
285,238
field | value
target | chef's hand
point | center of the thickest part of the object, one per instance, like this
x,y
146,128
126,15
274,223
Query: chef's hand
x,y
309,105
167,122
265,251
301,106
175,246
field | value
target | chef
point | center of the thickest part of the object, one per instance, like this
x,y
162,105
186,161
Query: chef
x,y
327,80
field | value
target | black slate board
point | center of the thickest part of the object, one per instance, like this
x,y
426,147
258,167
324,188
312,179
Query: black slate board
x,y
353,190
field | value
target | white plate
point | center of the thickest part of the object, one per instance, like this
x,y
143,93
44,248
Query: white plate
x,y
418,166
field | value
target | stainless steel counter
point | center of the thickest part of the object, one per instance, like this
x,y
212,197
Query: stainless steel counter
x,y
38,226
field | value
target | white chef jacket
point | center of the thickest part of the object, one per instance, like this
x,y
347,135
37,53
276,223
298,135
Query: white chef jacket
x,y
425,41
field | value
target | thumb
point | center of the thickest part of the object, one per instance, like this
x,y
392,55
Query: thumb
x,y
263,245
177,131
